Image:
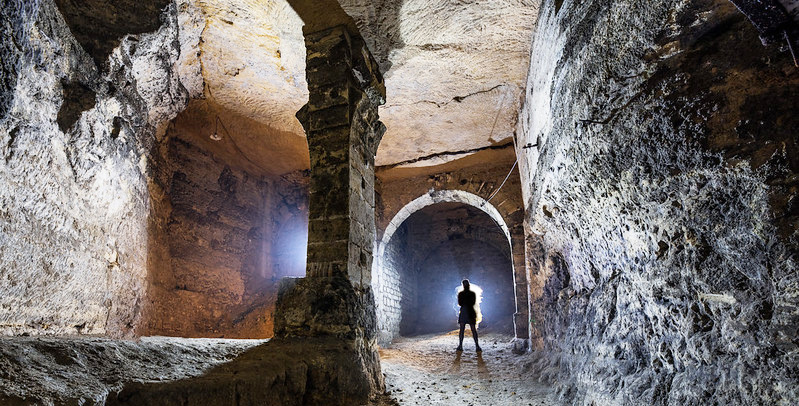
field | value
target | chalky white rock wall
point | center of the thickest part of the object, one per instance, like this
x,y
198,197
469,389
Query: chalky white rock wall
x,y
659,183
74,202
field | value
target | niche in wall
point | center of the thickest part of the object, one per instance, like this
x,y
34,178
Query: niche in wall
x,y
228,223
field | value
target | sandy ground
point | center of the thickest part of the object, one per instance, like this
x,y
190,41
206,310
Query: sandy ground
x,y
426,370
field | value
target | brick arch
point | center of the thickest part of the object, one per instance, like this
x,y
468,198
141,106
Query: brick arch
x,y
521,324
441,196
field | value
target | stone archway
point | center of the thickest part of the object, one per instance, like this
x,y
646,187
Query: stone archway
x,y
379,280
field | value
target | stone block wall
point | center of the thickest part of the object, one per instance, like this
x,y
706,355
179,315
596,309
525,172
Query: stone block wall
x,y
335,301
661,225
395,289
424,262
343,130
440,274
480,175
450,242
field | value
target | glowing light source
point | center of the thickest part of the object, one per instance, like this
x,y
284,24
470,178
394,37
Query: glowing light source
x,y
478,292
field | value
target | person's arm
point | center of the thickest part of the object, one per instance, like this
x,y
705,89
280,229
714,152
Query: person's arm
x,y
460,299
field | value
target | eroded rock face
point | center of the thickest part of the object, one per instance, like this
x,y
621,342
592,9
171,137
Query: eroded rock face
x,y
659,194
65,371
73,181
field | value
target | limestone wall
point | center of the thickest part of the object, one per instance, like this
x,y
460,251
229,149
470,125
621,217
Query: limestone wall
x,y
111,224
221,239
659,181
74,137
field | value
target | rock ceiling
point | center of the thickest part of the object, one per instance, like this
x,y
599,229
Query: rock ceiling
x,y
454,72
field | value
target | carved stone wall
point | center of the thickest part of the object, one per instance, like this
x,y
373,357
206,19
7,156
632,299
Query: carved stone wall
x,y
221,238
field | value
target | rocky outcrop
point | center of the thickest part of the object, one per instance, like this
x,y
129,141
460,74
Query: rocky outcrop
x,y
73,179
69,371
660,180
279,372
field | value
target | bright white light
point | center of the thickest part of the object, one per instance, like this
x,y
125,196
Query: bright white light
x,y
291,249
478,292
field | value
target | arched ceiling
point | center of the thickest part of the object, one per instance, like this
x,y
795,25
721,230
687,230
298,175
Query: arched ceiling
x,y
454,70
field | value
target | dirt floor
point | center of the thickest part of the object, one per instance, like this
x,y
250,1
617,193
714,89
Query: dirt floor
x,y
426,370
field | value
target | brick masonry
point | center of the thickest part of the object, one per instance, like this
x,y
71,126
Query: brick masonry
x,y
426,258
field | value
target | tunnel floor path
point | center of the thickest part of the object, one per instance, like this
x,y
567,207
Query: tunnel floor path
x,y
426,370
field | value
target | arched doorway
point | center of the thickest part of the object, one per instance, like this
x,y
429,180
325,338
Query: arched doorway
x,y
428,247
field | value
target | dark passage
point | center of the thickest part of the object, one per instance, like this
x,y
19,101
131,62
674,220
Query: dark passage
x,y
433,251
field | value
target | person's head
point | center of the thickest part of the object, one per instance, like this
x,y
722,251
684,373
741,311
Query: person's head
x,y
465,284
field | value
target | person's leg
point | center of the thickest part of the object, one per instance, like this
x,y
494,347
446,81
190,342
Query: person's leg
x,y
474,334
460,337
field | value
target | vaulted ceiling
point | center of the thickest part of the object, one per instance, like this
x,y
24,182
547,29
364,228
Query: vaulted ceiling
x,y
454,72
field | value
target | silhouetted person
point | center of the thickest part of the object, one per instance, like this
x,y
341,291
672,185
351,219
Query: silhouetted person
x,y
467,299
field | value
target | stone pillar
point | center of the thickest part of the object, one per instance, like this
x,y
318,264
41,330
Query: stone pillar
x,y
521,319
343,134
335,300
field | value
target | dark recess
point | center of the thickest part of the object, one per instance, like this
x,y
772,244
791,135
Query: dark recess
x,y
77,99
99,25
12,42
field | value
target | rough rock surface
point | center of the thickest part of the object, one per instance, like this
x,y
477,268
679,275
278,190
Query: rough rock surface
x,y
331,309
425,370
661,202
277,373
73,179
64,371
451,67
220,240
245,63
456,69
177,371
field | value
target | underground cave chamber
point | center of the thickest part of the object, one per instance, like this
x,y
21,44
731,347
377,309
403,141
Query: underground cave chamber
x,y
228,221
620,177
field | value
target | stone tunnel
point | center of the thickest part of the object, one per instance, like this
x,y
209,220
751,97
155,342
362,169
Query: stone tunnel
x,y
275,202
